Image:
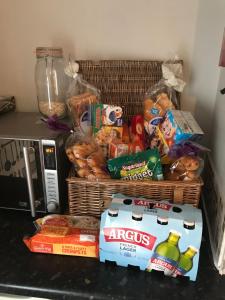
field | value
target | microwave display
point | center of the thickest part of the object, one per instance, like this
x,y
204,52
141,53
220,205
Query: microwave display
x,y
49,157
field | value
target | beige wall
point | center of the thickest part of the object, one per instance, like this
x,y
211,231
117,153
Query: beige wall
x,y
208,41
209,80
96,29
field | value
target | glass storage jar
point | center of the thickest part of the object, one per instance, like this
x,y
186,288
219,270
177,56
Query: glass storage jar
x,y
50,81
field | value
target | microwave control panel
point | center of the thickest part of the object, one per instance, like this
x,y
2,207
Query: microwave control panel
x,y
51,175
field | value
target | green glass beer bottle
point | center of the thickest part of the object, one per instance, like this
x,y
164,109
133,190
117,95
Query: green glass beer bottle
x,y
166,254
185,262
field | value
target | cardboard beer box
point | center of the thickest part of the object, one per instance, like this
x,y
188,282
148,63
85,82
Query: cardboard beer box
x,y
151,235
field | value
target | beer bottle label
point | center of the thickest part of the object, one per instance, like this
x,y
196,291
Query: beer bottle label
x,y
162,263
179,272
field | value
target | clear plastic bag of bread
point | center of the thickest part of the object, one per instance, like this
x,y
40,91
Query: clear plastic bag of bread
x,y
187,160
163,95
158,100
80,96
186,168
86,156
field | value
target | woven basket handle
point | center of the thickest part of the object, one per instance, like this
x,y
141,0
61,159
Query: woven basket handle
x,y
178,195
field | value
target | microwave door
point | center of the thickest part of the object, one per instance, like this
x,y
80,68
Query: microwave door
x,y
14,188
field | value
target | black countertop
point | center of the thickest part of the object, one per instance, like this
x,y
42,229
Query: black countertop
x,y
70,277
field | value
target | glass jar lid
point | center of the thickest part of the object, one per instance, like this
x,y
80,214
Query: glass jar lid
x,y
49,51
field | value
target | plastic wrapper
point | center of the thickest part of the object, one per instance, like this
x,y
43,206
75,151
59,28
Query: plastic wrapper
x,y
144,165
7,103
158,100
81,96
187,147
186,168
87,157
172,71
66,235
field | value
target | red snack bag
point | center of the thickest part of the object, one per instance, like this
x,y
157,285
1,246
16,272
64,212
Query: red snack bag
x,y
137,134
126,134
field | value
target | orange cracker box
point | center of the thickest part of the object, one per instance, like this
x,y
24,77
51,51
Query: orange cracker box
x,y
109,134
118,149
66,235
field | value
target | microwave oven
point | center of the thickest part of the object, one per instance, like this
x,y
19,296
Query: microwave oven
x,y
33,164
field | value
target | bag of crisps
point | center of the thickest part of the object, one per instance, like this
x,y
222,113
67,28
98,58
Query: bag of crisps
x,y
144,165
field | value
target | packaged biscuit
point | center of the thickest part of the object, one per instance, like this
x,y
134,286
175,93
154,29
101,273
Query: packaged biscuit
x,y
105,115
109,134
140,166
66,235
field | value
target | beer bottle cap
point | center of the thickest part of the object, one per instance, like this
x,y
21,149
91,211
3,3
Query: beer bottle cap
x,y
193,248
162,220
189,223
127,201
137,216
175,232
113,212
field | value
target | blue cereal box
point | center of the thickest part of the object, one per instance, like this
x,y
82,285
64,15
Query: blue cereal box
x,y
152,235
178,126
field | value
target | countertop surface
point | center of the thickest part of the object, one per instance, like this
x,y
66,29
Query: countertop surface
x,y
69,277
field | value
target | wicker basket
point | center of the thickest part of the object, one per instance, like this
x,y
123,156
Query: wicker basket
x,y
92,198
124,83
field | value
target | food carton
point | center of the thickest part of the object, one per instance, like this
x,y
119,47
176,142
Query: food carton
x,y
68,235
178,126
151,235
105,115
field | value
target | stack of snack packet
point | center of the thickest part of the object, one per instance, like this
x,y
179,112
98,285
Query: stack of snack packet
x,y
108,147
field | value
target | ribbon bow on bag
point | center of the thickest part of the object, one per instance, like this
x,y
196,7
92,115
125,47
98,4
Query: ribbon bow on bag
x,y
173,75
72,68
